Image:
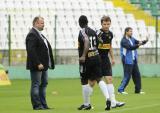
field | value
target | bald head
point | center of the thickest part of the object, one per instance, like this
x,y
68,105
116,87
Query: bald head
x,y
38,22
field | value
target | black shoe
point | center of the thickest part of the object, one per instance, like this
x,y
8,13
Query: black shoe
x,y
46,107
39,108
84,107
141,92
108,105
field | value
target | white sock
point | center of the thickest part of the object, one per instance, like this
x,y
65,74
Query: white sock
x,y
104,90
90,90
86,94
110,88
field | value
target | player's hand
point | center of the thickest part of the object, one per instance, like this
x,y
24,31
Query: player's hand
x,y
82,59
40,66
113,62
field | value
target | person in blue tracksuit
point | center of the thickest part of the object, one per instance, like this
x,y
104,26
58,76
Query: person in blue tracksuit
x,y
129,56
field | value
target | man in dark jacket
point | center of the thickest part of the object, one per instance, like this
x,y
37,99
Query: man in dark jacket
x,y
39,59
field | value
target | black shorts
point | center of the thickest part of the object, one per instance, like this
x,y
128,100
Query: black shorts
x,y
82,71
106,67
91,69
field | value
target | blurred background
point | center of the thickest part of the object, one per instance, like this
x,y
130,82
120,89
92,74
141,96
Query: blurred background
x,y
61,29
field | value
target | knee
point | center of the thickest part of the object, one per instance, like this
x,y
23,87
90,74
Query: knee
x,y
44,84
35,84
109,80
126,79
92,83
98,80
35,90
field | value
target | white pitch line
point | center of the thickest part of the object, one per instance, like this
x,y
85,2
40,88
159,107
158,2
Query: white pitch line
x,y
132,108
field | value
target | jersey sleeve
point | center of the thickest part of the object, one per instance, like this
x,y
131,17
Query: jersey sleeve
x,y
84,34
111,36
99,34
97,39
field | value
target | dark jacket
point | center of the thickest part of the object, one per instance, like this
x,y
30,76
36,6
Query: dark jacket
x,y
127,48
37,52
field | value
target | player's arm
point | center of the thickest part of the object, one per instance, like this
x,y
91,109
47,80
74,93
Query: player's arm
x,y
99,34
111,51
111,55
86,47
85,51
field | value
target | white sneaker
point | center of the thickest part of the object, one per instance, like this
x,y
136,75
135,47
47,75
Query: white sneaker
x,y
113,104
118,104
141,92
124,93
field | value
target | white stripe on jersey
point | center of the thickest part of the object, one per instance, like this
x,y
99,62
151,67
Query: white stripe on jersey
x,y
84,33
98,32
124,51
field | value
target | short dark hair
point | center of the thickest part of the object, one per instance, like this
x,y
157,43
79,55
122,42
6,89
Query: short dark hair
x,y
106,19
36,19
83,21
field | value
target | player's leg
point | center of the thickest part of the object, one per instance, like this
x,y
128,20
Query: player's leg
x,y
97,74
104,90
91,85
111,91
86,89
107,73
86,92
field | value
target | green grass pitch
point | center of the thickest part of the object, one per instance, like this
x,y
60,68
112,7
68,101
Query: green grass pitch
x,y
64,95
